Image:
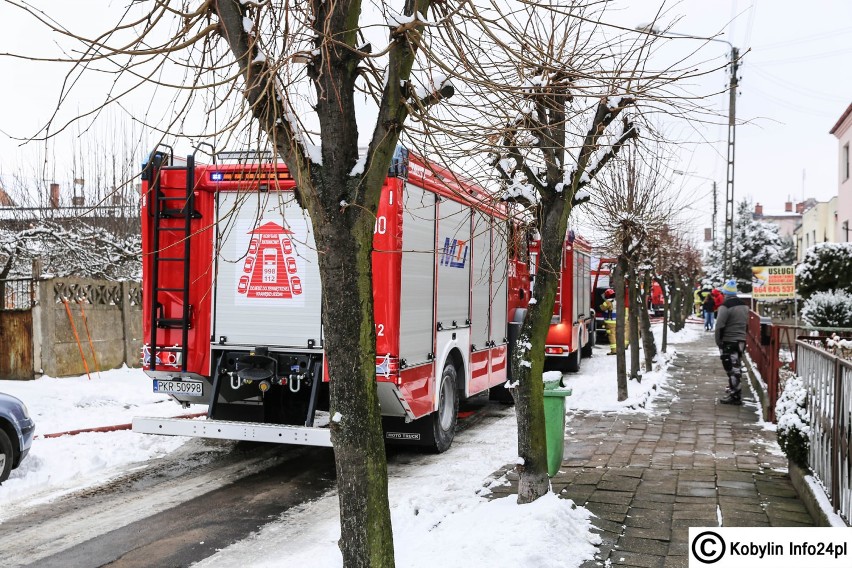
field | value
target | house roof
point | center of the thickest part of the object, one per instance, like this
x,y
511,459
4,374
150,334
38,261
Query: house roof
x,y
843,117
780,214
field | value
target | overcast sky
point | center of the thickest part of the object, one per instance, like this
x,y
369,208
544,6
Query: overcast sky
x,y
795,84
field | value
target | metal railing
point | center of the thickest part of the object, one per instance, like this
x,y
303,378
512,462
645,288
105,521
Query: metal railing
x,y
17,294
771,346
828,381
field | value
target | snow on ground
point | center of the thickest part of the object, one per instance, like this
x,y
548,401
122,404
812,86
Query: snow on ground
x,y
56,466
440,517
595,388
440,512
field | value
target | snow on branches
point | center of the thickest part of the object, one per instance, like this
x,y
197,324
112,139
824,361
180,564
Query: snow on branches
x,y
74,249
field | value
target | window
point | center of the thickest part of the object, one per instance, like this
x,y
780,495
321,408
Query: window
x,y
845,162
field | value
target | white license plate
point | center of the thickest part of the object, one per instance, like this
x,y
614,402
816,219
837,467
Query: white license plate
x,y
179,387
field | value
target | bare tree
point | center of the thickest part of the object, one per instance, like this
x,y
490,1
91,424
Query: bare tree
x,y
635,197
71,248
294,76
678,264
564,87
291,75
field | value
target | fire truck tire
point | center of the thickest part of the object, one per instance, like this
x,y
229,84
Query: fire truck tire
x,y
572,362
587,349
445,417
7,453
499,393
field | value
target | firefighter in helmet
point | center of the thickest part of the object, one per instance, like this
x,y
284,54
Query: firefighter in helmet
x,y
608,311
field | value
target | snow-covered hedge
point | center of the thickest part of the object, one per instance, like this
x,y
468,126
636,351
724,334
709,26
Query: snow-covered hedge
x,y
828,309
73,248
794,428
825,266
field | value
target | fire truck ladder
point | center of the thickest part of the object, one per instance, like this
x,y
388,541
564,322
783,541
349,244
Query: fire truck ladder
x,y
161,206
557,301
556,316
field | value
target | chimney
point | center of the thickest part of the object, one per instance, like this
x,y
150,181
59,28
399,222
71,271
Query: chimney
x,y
800,208
758,209
788,207
54,195
708,234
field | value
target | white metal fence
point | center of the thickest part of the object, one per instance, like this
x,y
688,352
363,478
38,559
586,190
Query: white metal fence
x,y
828,380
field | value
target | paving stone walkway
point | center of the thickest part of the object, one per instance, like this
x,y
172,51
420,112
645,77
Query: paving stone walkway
x,y
695,462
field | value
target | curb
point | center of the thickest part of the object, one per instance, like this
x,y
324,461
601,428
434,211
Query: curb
x,y
812,501
757,387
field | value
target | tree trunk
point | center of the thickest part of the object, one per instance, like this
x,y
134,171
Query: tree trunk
x,y
688,300
635,301
342,206
528,360
620,363
345,263
676,305
648,343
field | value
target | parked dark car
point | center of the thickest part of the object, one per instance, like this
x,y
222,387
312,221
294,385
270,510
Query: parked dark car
x,y
16,434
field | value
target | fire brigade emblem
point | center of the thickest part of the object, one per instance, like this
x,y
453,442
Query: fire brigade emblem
x,y
270,270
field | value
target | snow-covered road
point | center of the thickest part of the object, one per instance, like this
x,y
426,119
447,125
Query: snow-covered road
x,y
440,513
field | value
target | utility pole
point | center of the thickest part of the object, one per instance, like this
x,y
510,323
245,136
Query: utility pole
x,y
715,210
728,248
729,189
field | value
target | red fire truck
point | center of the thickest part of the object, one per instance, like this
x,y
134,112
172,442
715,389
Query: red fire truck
x,y
232,304
572,329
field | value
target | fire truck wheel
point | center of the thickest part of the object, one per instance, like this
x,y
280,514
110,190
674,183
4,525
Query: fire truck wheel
x,y
6,456
444,418
572,362
587,349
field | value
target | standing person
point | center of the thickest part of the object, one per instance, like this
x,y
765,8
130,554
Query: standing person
x,y
608,311
731,337
709,306
718,297
697,299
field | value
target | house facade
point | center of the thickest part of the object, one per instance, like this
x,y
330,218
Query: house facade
x,y
818,226
786,220
842,130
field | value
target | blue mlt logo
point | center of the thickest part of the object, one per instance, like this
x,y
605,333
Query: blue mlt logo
x,y
454,254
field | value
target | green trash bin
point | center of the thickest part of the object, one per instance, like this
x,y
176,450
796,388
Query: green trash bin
x,y
554,423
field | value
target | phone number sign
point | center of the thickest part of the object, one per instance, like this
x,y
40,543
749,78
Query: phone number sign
x,y
773,282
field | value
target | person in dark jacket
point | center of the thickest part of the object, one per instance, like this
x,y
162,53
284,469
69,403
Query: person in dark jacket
x,y
709,306
730,338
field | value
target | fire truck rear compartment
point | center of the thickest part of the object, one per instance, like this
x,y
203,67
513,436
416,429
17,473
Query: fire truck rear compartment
x,y
259,385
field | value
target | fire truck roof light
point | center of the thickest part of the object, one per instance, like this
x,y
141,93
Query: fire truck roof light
x,y
216,176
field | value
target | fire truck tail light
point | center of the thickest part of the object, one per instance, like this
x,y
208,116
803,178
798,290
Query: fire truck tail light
x,y
554,350
387,366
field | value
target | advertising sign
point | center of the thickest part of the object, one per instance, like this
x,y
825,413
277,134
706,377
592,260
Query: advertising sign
x,y
773,282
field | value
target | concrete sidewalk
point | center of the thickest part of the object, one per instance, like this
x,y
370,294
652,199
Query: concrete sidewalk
x,y
695,463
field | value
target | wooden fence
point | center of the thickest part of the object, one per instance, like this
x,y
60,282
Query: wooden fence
x,y
68,326
17,299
